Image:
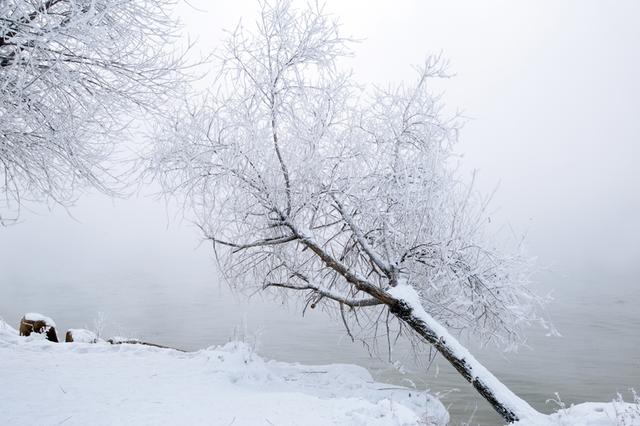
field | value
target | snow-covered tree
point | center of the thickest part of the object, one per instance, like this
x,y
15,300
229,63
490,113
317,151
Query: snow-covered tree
x,y
69,70
308,184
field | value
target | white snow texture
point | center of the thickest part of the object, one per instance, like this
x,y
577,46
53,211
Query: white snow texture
x,y
102,384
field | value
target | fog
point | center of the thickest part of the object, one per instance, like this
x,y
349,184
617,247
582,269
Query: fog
x,y
552,99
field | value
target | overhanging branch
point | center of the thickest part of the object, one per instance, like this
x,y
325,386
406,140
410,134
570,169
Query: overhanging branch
x,y
352,278
258,243
351,302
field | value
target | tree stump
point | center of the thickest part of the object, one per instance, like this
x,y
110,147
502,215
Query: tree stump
x,y
36,323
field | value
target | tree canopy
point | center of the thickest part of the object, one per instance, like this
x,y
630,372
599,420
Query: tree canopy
x,y
310,184
70,72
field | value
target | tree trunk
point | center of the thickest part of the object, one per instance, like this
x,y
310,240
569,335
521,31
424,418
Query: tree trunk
x,y
510,407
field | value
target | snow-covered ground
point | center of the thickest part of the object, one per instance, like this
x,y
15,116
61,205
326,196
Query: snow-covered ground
x,y
48,383
86,384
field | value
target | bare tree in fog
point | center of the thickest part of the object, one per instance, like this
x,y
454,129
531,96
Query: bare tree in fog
x,y
68,71
309,185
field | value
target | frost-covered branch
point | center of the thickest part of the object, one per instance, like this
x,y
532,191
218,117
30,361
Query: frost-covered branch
x,y
259,243
71,71
352,303
375,258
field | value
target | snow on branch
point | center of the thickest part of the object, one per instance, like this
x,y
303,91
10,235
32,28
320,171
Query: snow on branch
x,y
351,302
375,258
70,70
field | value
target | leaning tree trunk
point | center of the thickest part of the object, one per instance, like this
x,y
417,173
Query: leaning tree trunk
x,y
510,407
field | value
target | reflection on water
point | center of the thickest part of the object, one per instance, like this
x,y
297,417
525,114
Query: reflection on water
x,y
597,357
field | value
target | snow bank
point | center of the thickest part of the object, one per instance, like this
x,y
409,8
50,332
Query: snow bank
x,y
80,383
614,413
6,329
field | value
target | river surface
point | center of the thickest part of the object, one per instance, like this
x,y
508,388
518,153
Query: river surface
x,y
597,355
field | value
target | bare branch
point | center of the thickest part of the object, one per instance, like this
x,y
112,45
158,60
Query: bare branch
x,y
352,303
258,243
375,258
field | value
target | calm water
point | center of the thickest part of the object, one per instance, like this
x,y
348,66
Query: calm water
x,y
598,355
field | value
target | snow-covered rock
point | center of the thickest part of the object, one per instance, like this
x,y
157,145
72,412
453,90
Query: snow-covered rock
x,y
101,383
80,335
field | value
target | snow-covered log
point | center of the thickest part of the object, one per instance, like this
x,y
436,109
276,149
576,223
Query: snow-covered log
x,y
409,309
129,341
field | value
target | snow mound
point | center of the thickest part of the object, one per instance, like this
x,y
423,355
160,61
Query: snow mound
x,y
616,413
100,383
6,329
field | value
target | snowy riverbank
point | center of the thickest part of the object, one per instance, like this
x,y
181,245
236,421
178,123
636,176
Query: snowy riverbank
x,y
102,384
80,384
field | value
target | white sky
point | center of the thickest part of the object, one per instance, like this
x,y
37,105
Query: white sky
x,y
553,90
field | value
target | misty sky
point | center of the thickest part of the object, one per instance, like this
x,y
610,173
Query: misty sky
x,y
553,94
